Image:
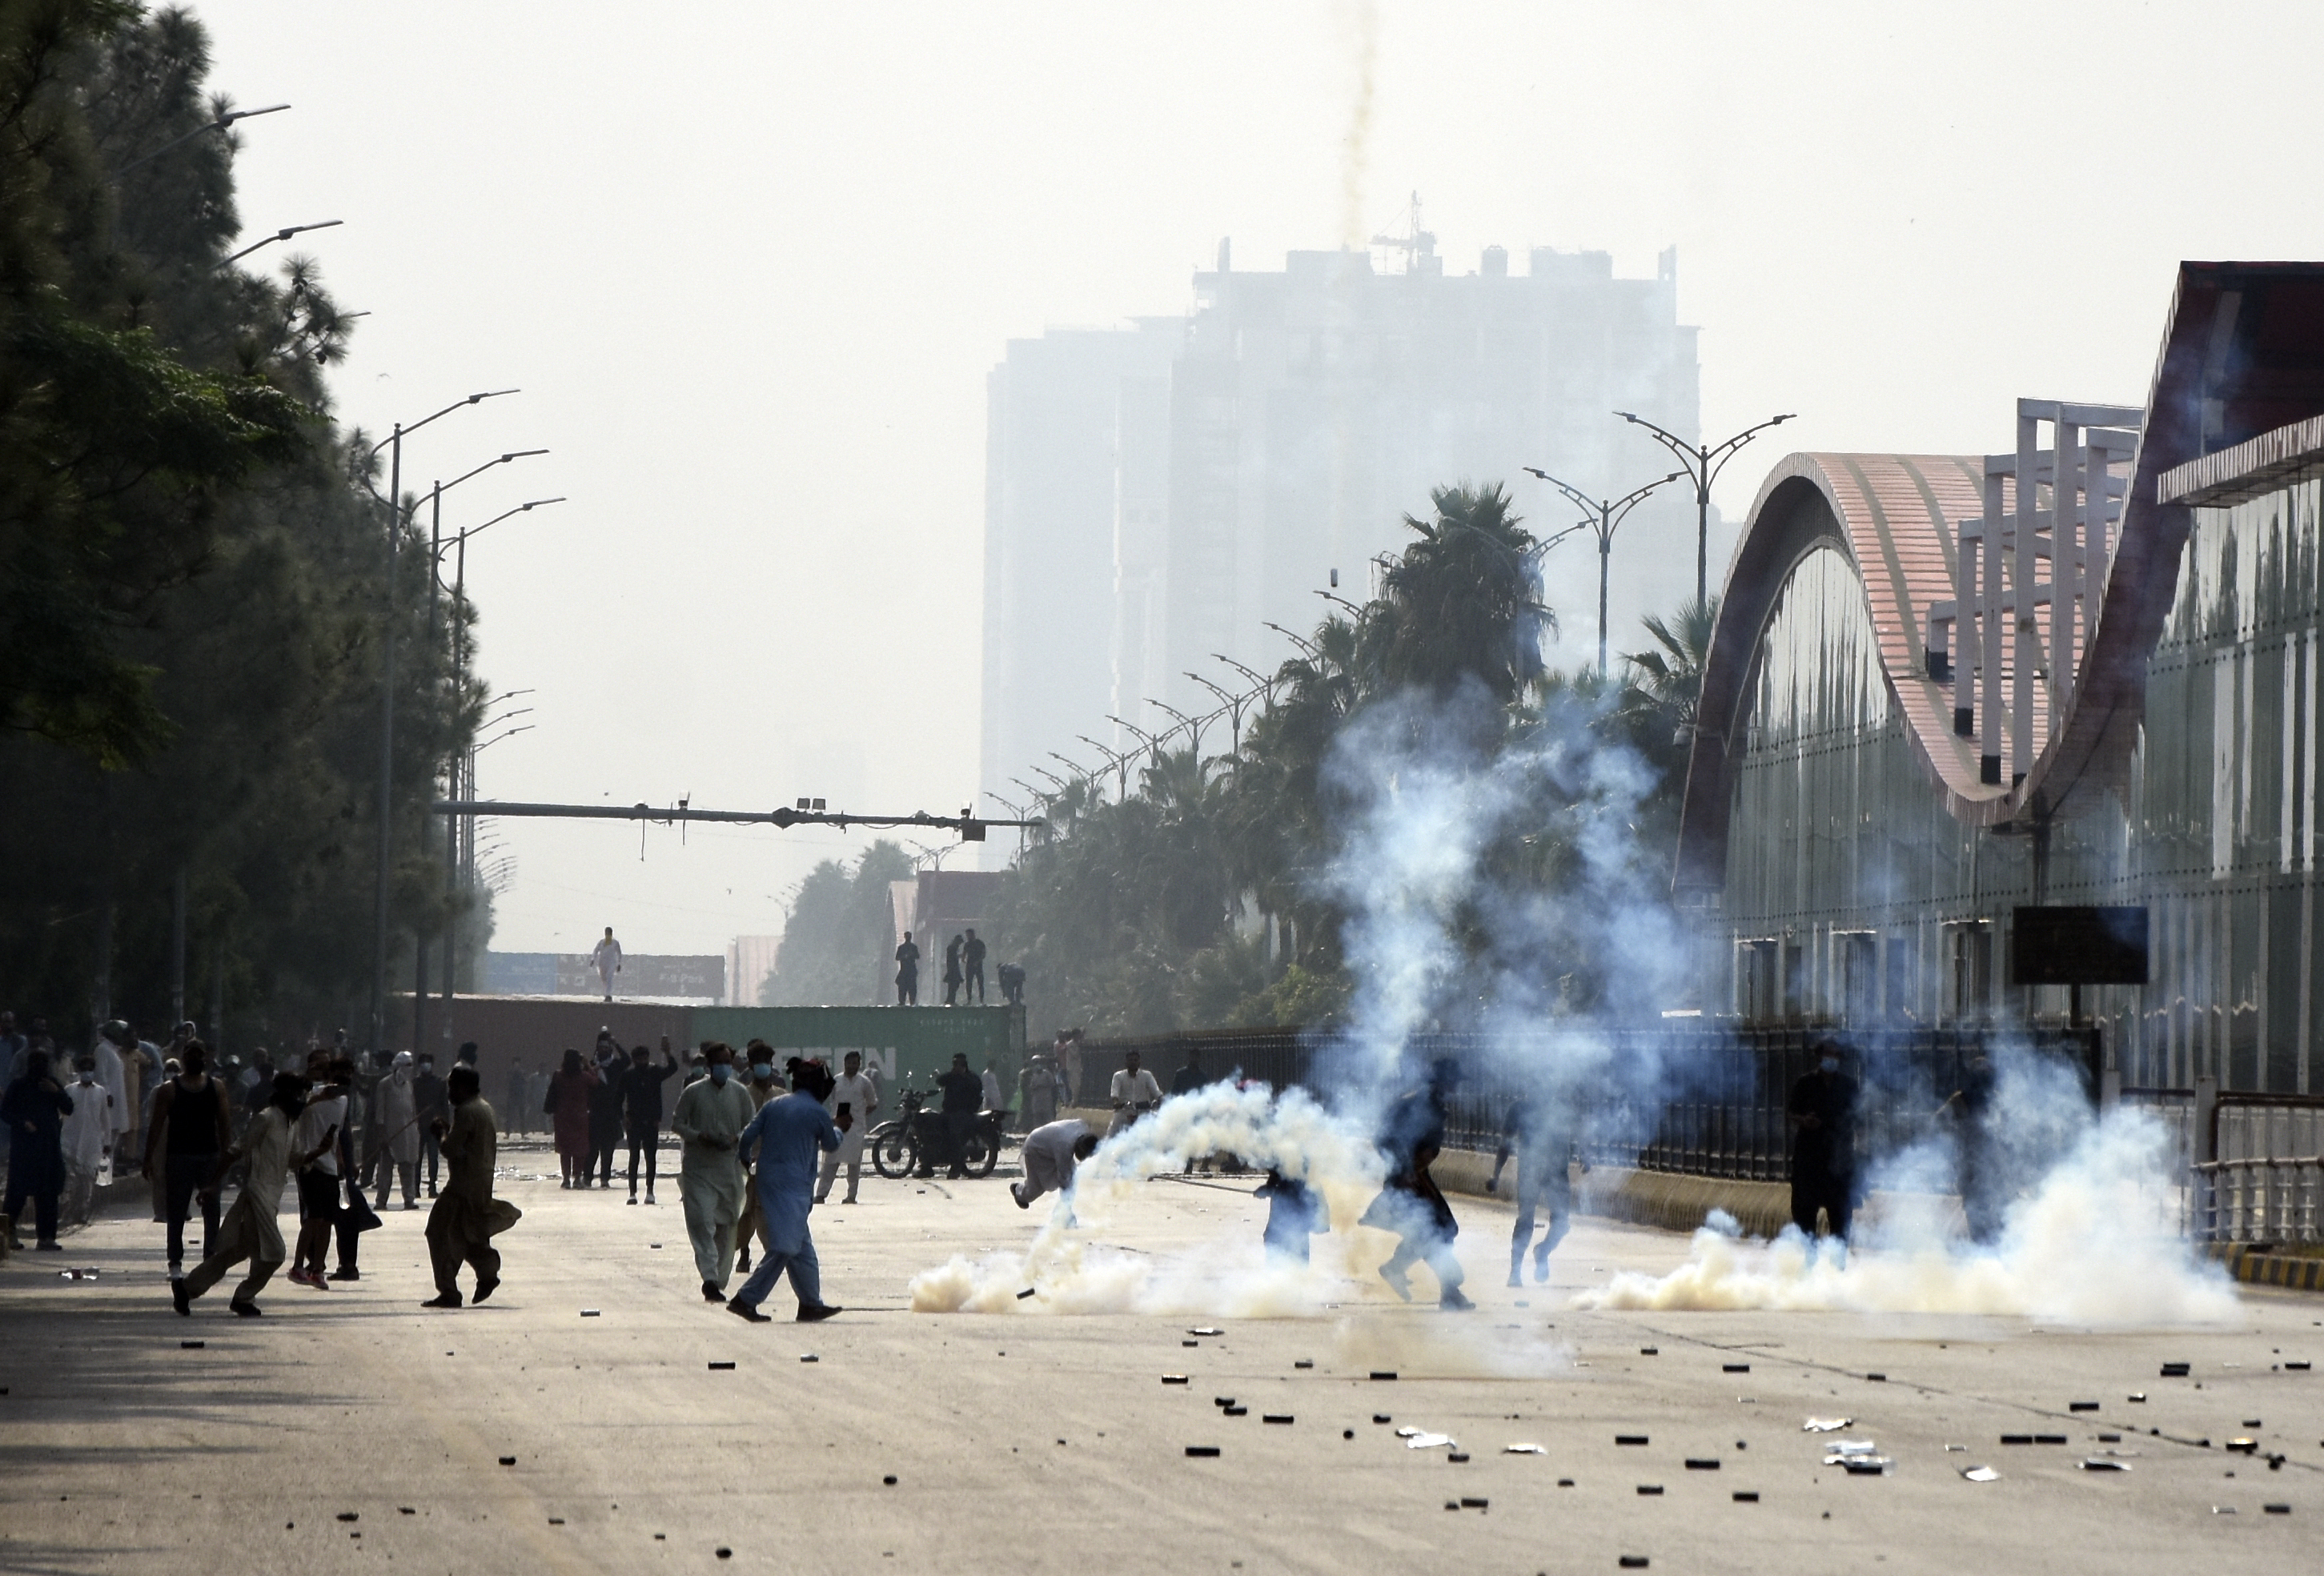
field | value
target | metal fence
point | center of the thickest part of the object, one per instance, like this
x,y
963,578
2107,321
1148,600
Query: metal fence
x,y
1705,1099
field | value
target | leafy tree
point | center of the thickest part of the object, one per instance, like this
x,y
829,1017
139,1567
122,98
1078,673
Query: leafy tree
x,y
835,943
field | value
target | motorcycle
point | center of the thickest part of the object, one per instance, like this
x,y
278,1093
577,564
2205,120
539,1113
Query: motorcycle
x,y
918,1137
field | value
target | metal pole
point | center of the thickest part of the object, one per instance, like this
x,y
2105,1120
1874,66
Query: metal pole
x,y
178,949
453,823
1605,564
386,740
420,942
1702,532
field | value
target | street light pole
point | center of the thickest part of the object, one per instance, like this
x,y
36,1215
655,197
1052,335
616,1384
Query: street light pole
x,y
1608,519
393,444
1703,462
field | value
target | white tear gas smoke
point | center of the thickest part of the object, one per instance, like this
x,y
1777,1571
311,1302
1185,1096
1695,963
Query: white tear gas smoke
x,y
2095,1240
1069,1274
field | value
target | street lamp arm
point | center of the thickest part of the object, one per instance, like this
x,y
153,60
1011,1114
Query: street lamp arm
x,y
1256,678
446,410
1306,646
221,124
1623,505
1733,446
496,519
488,465
282,235
1580,499
1343,602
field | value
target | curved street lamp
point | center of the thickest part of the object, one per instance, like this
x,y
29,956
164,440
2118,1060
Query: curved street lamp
x,y
1609,519
1703,462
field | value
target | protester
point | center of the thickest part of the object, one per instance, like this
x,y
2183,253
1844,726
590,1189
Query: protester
x,y
709,1120
355,1216
1822,1114
34,1108
963,1094
641,1111
605,957
112,1037
1067,1050
1411,1204
1133,1093
191,1126
971,967
87,1139
1186,1080
1037,1092
396,1101
853,1098
567,1105
1976,1159
1541,1132
1011,977
1294,1214
428,1103
761,1087
605,1111
1051,1152
783,1139
907,972
952,972
249,1231
13,1042
321,1124
993,1096
466,1216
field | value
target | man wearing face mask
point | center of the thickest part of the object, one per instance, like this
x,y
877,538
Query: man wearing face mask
x,y
1823,1113
761,1087
87,1140
711,1115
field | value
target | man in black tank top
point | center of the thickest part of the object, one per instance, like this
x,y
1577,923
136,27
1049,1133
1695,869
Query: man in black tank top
x,y
191,1131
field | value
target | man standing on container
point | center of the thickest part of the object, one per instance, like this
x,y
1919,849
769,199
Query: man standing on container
x,y
784,1139
907,972
972,969
711,1115
605,957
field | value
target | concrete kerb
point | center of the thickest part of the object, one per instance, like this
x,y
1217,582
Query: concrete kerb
x,y
2295,1267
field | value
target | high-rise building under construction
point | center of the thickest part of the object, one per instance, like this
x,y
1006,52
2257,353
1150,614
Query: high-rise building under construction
x,y
1158,493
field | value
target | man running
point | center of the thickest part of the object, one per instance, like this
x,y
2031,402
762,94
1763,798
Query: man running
x,y
709,1120
783,1139
466,1219
1541,1132
1411,1204
1051,1153
249,1231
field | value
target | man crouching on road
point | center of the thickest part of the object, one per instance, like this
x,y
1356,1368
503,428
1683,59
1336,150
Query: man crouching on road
x,y
786,1137
466,1216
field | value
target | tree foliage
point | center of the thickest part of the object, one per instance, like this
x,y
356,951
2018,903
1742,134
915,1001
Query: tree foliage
x,y
1206,897
836,940
192,568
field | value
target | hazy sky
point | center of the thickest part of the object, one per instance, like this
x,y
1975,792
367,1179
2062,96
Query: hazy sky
x,y
751,263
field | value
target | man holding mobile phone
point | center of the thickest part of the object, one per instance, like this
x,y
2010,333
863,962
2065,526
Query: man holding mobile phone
x,y
853,1099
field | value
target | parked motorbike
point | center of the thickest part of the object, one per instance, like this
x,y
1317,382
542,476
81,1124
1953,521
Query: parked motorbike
x,y
915,1140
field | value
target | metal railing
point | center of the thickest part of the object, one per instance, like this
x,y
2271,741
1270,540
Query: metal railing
x,y
1707,1100
2259,1200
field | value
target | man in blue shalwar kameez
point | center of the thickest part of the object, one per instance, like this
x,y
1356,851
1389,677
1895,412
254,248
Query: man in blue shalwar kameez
x,y
788,1136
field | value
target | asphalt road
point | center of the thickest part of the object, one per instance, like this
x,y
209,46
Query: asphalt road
x,y
349,1429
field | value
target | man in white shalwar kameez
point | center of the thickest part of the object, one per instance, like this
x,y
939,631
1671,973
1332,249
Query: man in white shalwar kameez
x,y
249,1231
605,957
396,1118
861,1096
1051,1153
87,1140
711,1114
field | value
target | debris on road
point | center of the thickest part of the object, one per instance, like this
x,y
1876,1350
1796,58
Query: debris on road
x,y
589,1313
1206,1330
1383,1373
1274,1417
1734,1367
2177,1371
1173,1379
1629,1439
1522,1450
1305,1362
2103,1464
1747,1496
1982,1475
1701,1464
1650,1488
1420,1439
1825,1425
1201,1450
721,1364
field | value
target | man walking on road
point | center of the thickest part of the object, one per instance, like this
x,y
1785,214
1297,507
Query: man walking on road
x,y
466,1219
1541,1132
396,1118
87,1140
853,1099
191,1128
1411,1204
321,1125
964,1099
709,1121
1822,1114
249,1231
783,1139
428,1103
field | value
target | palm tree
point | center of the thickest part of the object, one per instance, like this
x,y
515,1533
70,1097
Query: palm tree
x,y
1464,599
1667,682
